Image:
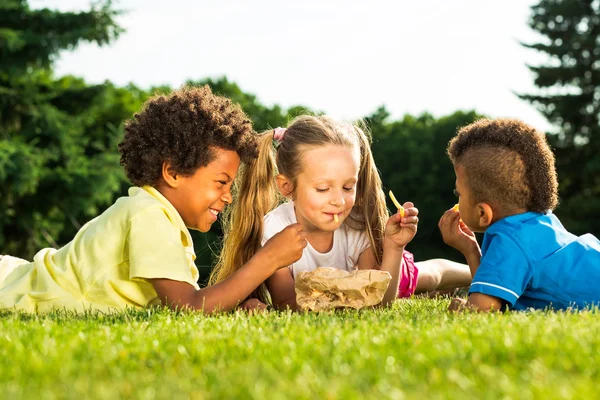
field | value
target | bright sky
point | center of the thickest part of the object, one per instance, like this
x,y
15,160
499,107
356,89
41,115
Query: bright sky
x,y
344,57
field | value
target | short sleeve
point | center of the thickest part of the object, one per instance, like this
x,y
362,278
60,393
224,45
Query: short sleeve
x,y
273,224
156,250
504,271
358,242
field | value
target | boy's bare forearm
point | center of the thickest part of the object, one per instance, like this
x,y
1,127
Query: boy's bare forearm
x,y
473,257
228,294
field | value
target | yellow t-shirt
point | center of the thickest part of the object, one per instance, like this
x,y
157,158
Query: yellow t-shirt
x,y
106,266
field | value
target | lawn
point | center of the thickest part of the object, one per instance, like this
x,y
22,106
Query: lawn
x,y
415,349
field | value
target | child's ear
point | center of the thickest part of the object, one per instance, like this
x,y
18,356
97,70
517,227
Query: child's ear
x,y
284,184
486,214
169,175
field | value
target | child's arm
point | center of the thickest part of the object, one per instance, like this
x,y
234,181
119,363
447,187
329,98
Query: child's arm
x,y
367,261
281,250
477,302
281,286
456,234
399,230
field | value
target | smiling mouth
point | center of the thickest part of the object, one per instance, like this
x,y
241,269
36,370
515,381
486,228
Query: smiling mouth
x,y
214,212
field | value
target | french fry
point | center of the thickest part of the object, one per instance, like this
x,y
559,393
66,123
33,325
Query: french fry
x,y
455,208
335,218
397,204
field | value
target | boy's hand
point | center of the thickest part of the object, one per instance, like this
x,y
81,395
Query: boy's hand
x,y
477,302
285,247
457,304
401,230
456,233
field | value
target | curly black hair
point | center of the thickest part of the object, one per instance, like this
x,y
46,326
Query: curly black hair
x,y
507,163
184,128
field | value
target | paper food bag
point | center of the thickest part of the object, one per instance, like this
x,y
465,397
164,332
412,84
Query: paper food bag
x,y
330,288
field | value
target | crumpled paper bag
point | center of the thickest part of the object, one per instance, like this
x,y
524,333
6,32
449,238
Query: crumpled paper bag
x,y
330,288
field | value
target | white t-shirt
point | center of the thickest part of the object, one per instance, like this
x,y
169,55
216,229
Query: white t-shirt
x,y
348,244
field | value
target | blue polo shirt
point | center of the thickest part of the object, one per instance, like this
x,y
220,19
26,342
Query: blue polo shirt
x,y
530,260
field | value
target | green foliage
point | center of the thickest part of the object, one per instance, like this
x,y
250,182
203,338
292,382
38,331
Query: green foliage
x,y
32,39
569,97
416,349
57,136
410,154
262,116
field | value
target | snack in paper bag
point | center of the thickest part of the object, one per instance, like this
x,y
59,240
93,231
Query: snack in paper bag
x,y
331,288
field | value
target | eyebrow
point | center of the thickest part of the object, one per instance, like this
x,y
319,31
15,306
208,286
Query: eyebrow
x,y
316,181
226,174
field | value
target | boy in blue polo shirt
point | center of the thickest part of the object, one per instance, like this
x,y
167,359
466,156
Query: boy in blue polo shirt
x,y
507,187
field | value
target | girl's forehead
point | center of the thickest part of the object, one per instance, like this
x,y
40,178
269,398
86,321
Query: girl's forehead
x,y
329,152
330,163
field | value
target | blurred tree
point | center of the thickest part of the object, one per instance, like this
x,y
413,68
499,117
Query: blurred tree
x,y
57,136
263,117
569,97
410,154
58,160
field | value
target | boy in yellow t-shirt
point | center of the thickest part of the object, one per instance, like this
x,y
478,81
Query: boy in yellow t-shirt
x,y
182,151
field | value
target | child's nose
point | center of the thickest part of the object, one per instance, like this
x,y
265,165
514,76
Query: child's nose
x,y
338,198
227,197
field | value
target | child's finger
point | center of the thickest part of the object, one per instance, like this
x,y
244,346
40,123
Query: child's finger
x,y
448,220
304,242
410,227
297,227
410,220
410,211
408,204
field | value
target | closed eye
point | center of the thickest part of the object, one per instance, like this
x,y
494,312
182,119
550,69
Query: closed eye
x,y
322,190
349,189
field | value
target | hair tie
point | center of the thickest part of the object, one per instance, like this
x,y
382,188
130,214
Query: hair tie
x,y
278,134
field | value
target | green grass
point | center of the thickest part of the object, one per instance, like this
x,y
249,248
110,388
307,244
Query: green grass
x,y
413,350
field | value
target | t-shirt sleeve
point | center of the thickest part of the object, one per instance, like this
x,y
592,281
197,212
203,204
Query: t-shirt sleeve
x,y
504,271
273,224
155,248
358,241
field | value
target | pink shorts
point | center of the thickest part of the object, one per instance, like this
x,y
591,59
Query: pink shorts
x,y
408,276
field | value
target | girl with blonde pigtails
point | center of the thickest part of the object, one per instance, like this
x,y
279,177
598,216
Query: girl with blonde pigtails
x,y
320,173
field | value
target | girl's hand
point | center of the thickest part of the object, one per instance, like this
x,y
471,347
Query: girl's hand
x,y
285,247
401,230
456,233
253,306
